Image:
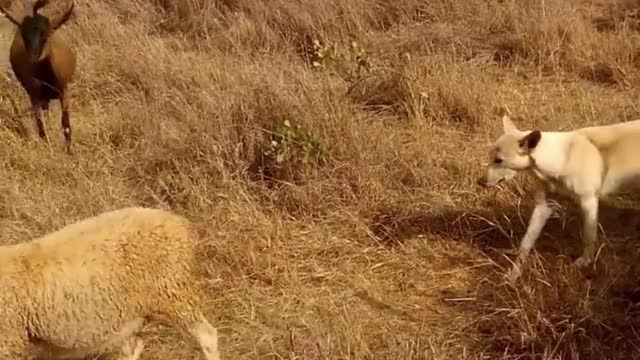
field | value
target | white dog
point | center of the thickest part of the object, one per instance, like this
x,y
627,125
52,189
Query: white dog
x,y
586,164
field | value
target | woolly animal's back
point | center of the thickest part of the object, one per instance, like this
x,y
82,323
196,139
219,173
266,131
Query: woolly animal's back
x,y
112,227
135,238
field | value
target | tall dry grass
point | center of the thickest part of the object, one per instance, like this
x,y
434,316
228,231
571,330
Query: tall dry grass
x,y
335,182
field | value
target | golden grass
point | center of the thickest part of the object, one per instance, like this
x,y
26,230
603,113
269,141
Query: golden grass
x,y
357,231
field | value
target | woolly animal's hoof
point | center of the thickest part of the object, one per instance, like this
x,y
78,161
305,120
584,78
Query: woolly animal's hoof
x,y
131,349
582,262
137,350
513,274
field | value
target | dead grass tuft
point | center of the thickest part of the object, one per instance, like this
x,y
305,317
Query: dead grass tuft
x,y
621,14
384,92
508,49
603,73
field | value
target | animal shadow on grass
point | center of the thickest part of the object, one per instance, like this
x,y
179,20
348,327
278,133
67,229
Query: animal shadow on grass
x,y
499,229
554,311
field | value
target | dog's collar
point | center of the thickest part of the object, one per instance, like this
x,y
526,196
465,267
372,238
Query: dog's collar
x,y
533,166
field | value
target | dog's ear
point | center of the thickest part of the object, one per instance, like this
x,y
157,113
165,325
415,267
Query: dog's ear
x,y
530,141
508,125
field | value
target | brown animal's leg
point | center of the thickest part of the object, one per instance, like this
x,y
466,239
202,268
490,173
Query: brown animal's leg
x,y
46,114
66,124
37,107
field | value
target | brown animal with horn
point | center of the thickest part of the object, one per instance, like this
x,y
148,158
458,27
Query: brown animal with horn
x,y
43,63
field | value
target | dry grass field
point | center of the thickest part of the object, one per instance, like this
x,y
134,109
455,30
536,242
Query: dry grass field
x,y
328,150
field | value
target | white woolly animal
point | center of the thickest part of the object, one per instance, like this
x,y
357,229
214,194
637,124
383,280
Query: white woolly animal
x,y
90,286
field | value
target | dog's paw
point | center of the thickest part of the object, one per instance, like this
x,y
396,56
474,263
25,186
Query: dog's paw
x,y
582,262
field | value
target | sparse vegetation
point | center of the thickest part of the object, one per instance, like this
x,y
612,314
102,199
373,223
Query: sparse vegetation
x,y
335,184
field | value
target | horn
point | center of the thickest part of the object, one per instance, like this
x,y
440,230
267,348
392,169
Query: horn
x,y
55,24
9,16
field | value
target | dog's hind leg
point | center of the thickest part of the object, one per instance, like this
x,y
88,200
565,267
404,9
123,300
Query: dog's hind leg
x,y
589,205
541,213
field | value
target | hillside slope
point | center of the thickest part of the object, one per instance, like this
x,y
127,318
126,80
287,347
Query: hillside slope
x,y
328,151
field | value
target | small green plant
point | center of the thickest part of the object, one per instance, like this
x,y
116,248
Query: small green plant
x,y
289,152
321,53
349,63
289,143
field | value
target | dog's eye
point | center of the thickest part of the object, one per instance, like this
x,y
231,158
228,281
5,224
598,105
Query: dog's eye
x,y
497,160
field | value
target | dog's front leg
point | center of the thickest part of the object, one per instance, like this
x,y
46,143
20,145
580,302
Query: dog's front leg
x,y
589,205
541,213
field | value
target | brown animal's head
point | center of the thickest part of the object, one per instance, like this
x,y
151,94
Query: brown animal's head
x,y
36,29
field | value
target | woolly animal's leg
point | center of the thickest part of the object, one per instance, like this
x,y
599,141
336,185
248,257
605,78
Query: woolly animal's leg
x,y
539,217
66,124
131,349
207,336
589,207
194,322
126,338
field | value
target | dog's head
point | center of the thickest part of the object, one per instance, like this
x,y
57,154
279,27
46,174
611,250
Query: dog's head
x,y
509,154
